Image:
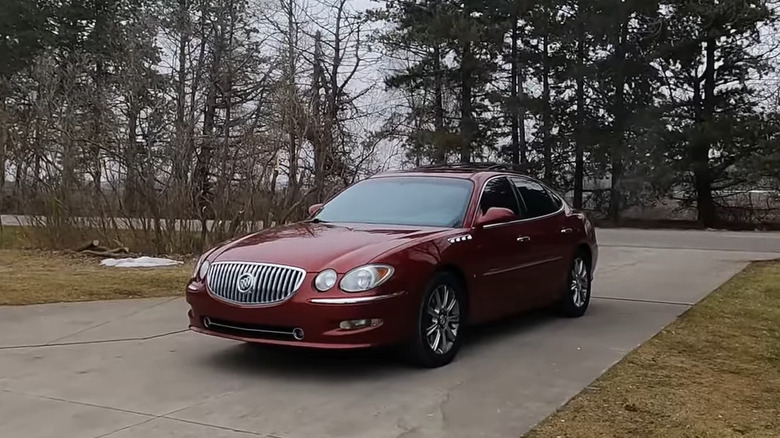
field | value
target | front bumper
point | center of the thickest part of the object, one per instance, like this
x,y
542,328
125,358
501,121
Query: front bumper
x,y
307,319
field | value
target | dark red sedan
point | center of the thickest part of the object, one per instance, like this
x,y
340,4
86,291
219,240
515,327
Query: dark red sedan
x,y
405,258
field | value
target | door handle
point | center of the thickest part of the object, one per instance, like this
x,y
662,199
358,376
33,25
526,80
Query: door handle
x,y
566,230
523,239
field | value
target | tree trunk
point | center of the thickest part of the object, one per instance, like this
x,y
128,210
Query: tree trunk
x,y
514,151
132,181
269,217
318,137
199,71
3,153
4,139
700,155
69,182
523,145
38,153
440,152
579,162
292,109
466,123
181,128
98,139
546,112
619,115
203,169
334,99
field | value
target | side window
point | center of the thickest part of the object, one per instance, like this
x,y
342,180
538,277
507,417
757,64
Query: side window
x,y
498,193
538,201
556,200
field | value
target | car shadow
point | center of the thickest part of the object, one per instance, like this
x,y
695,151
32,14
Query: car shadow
x,y
339,365
278,361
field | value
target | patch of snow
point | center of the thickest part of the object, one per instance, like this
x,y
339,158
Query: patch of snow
x,y
139,262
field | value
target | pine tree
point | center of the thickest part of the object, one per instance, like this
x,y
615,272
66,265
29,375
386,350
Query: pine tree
x,y
712,53
625,92
426,34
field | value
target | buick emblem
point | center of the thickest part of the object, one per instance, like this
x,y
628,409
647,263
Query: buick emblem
x,y
245,283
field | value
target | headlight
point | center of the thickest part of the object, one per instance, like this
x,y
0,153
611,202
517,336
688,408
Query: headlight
x,y
325,280
202,267
366,278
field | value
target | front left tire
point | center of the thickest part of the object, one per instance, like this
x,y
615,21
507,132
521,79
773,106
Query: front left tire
x,y
440,321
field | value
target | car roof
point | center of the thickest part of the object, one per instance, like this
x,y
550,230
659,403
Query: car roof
x,y
474,171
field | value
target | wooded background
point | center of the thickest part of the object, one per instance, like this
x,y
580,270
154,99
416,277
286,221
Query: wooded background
x,y
229,112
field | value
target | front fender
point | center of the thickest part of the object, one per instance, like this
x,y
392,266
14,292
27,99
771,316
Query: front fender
x,y
417,263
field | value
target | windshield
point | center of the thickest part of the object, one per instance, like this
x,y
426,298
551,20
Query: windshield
x,y
422,201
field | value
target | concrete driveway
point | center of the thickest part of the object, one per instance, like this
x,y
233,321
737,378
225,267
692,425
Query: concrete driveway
x,y
130,369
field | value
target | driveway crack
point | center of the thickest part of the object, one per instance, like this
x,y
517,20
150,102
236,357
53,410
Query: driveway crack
x,y
103,341
126,427
214,426
640,300
149,417
135,312
91,405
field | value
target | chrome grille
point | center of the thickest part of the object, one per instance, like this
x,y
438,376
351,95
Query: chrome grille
x,y
253,283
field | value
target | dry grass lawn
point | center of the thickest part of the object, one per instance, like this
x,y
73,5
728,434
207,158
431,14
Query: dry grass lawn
x,y
34,277
70,237
13,238
715,372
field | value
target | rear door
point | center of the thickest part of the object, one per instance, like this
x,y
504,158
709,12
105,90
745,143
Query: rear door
x,y
544,269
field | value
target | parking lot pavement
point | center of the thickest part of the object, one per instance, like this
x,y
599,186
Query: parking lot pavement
x,y
130,369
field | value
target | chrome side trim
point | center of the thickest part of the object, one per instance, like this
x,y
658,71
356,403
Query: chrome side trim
x,y
355,300
523,266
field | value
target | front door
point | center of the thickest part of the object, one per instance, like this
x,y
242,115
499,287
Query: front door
x,y
497,255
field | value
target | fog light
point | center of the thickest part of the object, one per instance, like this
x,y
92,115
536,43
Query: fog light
x,y
354,324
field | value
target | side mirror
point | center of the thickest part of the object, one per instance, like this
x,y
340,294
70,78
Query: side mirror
x,y
314,208
495,215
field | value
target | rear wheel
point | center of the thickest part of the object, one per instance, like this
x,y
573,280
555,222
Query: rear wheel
x,y
439,323
576,298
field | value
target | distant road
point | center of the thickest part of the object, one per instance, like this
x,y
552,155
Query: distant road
x,y
13,220
122,223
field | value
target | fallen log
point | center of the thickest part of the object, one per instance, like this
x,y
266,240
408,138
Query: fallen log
x,y
111,254
119,250
89,245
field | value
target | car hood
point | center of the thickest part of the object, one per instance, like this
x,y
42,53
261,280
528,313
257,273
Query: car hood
x,y
318,246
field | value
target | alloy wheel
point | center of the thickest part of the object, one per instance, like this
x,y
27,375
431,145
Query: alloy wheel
x,y
443,319
580,286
